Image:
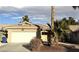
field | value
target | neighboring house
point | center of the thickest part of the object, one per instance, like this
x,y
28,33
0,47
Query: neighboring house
x,y
74,35
74,27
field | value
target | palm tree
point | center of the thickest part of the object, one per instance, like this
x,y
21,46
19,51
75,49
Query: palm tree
x,y
54,39
52,17
54,36
25,20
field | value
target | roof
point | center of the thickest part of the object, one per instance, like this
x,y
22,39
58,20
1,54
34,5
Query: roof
x,y
74,27
21,26
44,27
4,25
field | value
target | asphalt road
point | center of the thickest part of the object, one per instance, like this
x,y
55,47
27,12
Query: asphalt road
x,y
11,47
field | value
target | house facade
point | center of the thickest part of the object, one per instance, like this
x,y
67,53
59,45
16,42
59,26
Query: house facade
x,y
21,33
24,33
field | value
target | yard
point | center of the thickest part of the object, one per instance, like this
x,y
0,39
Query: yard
x,y
36,46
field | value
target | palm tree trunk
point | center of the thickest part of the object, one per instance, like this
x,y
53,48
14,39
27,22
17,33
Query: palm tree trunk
x,y
52,23
52,18
54,40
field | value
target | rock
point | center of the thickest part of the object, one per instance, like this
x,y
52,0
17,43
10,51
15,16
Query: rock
x,y
36,44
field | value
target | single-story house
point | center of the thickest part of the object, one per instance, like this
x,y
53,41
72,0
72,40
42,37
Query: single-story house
x,y
74,35
21,33
74,27
24,33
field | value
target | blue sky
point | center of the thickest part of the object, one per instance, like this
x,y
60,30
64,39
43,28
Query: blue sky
x,y
37,14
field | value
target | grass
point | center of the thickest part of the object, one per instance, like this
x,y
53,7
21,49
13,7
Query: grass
x,y
0,38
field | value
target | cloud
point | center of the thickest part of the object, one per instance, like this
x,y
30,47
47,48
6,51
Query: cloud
x,y
39,18
14,13
41,10
37,13
5,15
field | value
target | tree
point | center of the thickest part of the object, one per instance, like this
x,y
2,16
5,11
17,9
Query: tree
x,y
52,23
52,17
64,23
25,18
71,21
54,36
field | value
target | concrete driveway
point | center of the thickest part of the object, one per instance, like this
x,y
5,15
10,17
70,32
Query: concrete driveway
x,y
11,47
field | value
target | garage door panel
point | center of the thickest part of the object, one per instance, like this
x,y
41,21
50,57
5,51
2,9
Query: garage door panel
x,y
19,37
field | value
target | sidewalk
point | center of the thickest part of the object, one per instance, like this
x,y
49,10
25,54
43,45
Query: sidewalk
x,y
2,44
70,45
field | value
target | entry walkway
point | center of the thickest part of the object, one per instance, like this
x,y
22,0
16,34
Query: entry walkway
x,y
11,47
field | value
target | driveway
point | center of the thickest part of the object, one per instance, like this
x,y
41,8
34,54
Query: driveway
x,y
11,47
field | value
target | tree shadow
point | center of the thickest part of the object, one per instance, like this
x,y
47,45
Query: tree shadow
x,y
27,46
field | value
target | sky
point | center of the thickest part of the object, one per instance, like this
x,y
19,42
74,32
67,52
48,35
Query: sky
x,y
36,14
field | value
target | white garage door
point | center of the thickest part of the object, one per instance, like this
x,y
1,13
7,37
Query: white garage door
x,y
22,37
